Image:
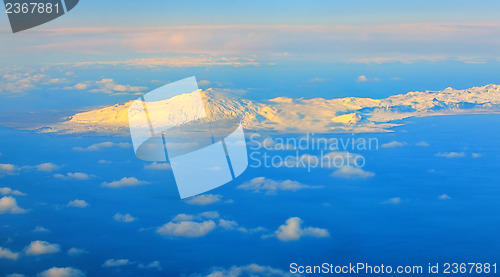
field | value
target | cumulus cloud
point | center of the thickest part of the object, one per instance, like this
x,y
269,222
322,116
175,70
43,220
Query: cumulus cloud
x,y
451,155
47,167
158,166
73,251
189,229
9,191
73,176
393,144
40,229
124,218
363,79
42,248
248,270
77,203
394,201
153,265
61,272
8,169
8,254
103,145
444,196
8,205
348,172
269,186
22,79
116,263
204,199
292,231
125,182
108,86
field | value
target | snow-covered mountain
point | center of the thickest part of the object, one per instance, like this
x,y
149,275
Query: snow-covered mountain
x,y
289,115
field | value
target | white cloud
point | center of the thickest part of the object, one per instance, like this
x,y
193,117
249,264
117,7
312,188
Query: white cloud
x,y
227,224
108,86
153,265
103,145
9,191
158,166
125,182
103,162
42,248
363,79
188,229
204,83
477,155
319,80
394,201
61,272
393,144
78,203
248,270
347,172
73,176
204,199
8,205
292,231
422,143
73,251
451,155
40,229
8,254
47,167
260,184
444,197
8,168
124,218
116,263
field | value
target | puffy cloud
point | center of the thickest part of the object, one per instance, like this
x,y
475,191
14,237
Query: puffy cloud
x,y
108,86
292,231
47,167
73,176
61,272
42,248
77,203
125,182
451,155
347,172
116,263
393,144
123,218
40,229
8,254
153,265
260,184
22,79
228,224
158,166
73,251
477,155
204,199
189,229
422,143
444,197
248,270
103,145
363,79
9,191
8,205
394,201
8,168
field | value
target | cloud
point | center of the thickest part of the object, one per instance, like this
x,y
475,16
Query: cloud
x,y
8,169
8,254
104,162
47,167
363,79
124,218
8,205
451,155
477,155
9,191
76,251
61,272
394,201
444,197
116,263
422,143
348,172
153,265
292,231
158,166
319,80
248,270
73,176
40,229
15,275
42,248
22,79
103,145
125,182
188,229
107,86
393,144
204,83
78,204
204,199
261,184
